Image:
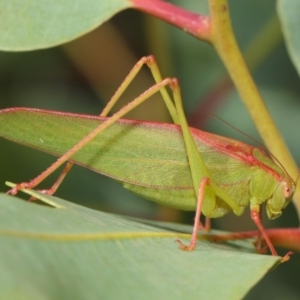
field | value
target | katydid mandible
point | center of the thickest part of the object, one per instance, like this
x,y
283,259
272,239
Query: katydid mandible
x,y
215,176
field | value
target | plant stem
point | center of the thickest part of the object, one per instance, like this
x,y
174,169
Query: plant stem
x,y
287,238
223,39
195,24
263,43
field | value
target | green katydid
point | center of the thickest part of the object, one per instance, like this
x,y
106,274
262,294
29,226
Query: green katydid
x,y
184,167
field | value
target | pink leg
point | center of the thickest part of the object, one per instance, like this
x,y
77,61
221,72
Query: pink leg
x,y
255,215
207,225
258,243
257,220
160,86
58,181
197,222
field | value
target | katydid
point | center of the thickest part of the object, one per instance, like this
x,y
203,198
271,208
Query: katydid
x,y
170,164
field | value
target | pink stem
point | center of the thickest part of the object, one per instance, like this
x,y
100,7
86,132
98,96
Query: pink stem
x,y
195,24
288,238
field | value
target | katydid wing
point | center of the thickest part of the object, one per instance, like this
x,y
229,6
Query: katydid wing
x,y
150,158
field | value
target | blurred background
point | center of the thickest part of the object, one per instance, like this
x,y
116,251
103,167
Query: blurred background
x,y
82,75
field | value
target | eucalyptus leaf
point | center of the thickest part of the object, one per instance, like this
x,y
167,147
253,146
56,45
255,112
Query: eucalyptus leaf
x,y
74,252
289,13
37,24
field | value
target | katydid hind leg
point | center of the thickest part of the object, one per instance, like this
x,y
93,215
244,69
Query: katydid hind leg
x,y
158,87
197,166
152,65
131,75
205,189
57,182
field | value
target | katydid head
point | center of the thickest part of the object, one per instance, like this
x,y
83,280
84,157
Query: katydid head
x,y
277,190
281,198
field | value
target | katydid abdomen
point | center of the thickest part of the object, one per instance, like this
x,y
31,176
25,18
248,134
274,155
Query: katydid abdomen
x,y
150,158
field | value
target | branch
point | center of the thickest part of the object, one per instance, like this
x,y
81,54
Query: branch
x,y
195,24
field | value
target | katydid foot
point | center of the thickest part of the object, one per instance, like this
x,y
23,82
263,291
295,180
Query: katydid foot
x,y
262,249
190,247
33,183
21,186
287,256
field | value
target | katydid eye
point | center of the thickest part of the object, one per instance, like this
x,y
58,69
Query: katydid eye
x,y
287,191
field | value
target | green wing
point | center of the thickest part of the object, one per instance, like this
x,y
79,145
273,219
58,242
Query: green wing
x,y
148,158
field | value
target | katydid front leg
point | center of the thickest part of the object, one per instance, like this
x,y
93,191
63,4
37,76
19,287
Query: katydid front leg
x,y
256,217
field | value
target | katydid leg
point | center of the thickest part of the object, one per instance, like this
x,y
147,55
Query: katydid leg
x,y
260,248
151,63
131,75
200,175
137,101
196,163
58,181
197,166
160,86
255,216
197,222
207,225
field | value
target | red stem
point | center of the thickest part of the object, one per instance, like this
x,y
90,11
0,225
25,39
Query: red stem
x,y
195,24
288,238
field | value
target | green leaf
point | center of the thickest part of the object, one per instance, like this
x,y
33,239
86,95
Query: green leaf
x,y
289,13
36,24
78,253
